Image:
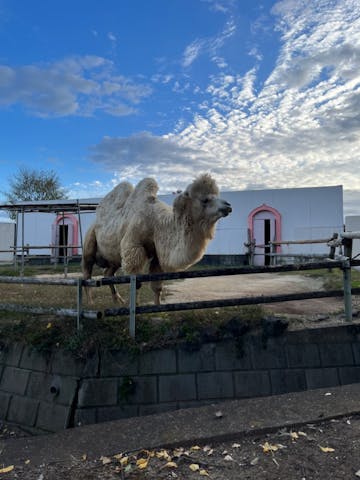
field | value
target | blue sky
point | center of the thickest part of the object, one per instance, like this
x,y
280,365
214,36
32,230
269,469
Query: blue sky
x,y
261,93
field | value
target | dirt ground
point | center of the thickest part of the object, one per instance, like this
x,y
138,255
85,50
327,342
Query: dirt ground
x,y
312,452
195,289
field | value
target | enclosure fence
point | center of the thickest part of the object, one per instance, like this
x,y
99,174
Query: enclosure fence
x,y
270,249
343,262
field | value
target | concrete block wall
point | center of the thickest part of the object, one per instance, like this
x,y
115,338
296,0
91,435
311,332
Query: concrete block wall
x,y
50,394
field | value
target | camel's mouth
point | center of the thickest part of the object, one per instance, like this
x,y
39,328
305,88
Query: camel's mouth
x,y
226,210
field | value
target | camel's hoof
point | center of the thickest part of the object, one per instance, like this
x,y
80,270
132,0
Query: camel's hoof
x,y
118,298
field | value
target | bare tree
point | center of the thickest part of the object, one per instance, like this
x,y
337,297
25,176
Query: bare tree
x,y
29,184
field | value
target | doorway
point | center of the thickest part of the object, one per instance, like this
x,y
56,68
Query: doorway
x,y
64,237
264,226
63,241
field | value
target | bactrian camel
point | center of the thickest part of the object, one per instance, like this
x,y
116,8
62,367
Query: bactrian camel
x,y
135,230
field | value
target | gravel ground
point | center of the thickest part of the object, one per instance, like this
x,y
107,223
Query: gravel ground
x,y
313,452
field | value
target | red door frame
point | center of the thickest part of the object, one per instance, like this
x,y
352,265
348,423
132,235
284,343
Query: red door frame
x,y
75,223
277,216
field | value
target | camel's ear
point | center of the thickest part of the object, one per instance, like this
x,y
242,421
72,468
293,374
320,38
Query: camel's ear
x,y
181,203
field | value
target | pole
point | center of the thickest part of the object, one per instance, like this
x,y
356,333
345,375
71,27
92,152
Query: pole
x,y
80,227
22,242
347,242
78,303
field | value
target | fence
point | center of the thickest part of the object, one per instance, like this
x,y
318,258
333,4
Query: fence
x,y
57,257
270,249
345,263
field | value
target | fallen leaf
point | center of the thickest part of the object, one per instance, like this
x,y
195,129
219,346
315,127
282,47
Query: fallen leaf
x,y
194,448
219,414
228,458
302,434
84,457
178,452
105,460
254,461
294,436
148,453
142,463
27,462
236,445
326,449
170,465
268,447
357,474
194,467
124,461
7,469
203,472
49,325
163,455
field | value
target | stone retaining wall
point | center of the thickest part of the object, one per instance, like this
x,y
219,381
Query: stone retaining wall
x,y
50,394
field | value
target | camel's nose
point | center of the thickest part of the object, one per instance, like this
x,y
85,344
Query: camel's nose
x,y
226,209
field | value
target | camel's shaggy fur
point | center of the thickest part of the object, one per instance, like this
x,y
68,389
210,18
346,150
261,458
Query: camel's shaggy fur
x,y
135,230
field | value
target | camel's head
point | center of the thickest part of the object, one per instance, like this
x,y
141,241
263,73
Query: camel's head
x,y
201,201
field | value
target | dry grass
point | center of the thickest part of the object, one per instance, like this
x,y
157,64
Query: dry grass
x,y
152,331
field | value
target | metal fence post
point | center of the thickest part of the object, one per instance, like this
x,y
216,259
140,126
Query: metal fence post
x,y
132,306
347,243
347,290
78,303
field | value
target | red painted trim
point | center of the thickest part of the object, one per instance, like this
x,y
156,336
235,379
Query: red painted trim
x,y
75,223
277,215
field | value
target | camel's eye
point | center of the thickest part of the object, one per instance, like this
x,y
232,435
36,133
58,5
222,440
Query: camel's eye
x,y
205,201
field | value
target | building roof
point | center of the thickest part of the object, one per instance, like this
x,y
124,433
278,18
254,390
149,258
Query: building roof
x,y
49,206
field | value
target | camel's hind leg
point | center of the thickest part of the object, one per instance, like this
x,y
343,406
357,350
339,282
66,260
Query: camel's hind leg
x,y
110,272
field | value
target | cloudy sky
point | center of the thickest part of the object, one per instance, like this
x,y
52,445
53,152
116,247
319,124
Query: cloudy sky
x,y
261,93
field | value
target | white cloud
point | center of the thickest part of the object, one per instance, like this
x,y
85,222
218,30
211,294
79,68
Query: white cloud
x,y
210,46
77,85
191,52
301,127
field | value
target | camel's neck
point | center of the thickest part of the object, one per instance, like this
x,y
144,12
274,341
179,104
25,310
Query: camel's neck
x,y
183,244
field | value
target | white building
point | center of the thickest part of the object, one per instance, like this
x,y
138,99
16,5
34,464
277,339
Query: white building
x,y
7,240
262,215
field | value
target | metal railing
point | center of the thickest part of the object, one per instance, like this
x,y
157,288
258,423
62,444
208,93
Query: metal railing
x,y
132,310
345,263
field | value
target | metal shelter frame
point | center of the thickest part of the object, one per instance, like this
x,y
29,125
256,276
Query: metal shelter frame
x,y
46,206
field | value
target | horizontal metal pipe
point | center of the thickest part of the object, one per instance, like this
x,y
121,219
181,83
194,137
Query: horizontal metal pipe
x,y
229,302
224,271
66,312
40,281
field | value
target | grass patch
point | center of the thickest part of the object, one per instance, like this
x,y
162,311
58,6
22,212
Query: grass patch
x,y
191,328
152,332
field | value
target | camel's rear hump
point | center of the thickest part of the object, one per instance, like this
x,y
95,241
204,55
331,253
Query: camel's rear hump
x,y
114,201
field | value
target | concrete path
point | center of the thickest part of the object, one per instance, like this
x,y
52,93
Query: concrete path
x,y
213,423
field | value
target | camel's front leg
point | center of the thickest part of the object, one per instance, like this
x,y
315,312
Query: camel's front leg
x,y
110,272
156,286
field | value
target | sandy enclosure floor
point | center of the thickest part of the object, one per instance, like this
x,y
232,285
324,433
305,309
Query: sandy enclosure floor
x,y
236,286
257,284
